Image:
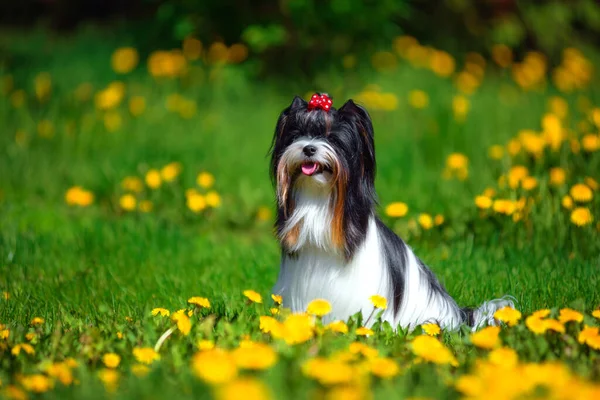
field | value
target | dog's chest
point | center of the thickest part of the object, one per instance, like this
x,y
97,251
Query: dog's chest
x,y
313,273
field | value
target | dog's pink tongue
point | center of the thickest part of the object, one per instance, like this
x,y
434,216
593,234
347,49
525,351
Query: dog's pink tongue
x,y
309,168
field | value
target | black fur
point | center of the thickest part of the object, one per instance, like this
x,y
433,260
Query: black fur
x,y
396,260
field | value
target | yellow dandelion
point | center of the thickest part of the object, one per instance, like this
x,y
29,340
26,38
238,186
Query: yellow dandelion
x,y
277,299
425,221
205,345
60,371
25,347
529,183
145,355
383,367
496,152
253,296
137,105
327,372
503,357
504,206
254,356
588,333
111,96
508,315
592,183
596,314
319,307
111,360
30,336
183,322
430,349
557,176
438,219
457,161
581,193
274,311
364,331
199,301
378,301
205,180
460,107
196,202
297,328
431,329
396,210
567,202
567,315
590,142
124,60
213,199
109,378
128,202
170,171
37,321
581,216
554,325
418,99
487,338
145,206
132,184
214,366
153,179
483,202
37,383
243,388
337,326
140,370
4,333
163,312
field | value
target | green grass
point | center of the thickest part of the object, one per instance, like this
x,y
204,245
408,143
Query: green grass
x,y
84,270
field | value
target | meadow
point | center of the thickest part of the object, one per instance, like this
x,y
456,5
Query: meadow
x,y
136,245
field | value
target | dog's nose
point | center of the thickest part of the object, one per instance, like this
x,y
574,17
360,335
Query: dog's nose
x,y
309,150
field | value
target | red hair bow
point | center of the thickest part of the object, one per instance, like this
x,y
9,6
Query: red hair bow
x,y
321,101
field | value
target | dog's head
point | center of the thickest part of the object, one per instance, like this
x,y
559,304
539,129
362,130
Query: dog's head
x,y
330,152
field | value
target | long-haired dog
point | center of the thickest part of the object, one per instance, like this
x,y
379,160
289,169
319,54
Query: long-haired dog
x,y
333,244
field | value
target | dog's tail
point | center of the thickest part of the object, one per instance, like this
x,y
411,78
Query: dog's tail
x,y
484,315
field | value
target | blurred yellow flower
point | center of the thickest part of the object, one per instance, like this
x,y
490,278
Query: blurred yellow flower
x,y
590,142
243,388
43,86
112,121
529,183
587,333
195,202
483,202
37,383
487,338
496,152
45,128
466,82
111,96
318,307
170,171
30,336
137,105
502,55
418,99
361,348
205,345
277,298
567,315
109,378
214,366
591,182
37,321
192,48
26,347
77,196
153,179
297,328
199,301
128,202
557,176
183,322
508,315
327,372
255,356
581,216
213,199
111,360
554,325
396,210
504,206
442,63
364,331
378,301
438,219
581,193
430,349
205,180
218,53
167,64
163,312
425,221
337,326
457,161
503,357
460,107
567,202
383,367
431,329
140,370
558,106
263,213
253,296
145,206
513,147
61,371
124,60
145,355
596,314
132,184
274,311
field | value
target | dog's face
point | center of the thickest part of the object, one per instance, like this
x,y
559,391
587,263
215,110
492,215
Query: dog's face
x,y
327,152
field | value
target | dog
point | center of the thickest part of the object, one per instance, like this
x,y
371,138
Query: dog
x,y
333,244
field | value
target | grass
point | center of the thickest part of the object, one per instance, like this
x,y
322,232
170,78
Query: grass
x,y
91,272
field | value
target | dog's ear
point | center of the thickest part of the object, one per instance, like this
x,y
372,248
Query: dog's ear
x,y
298,102
359,113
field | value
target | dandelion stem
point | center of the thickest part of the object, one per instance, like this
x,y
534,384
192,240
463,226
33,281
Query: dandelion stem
x,y
164,337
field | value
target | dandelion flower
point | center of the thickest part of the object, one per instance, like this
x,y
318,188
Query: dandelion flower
x,y
557,176
337,326
567,202
504,206
588,333
529,183
297,328
596,314
590,142
503,357
37,321
396,210
243,388
425,221
132,184
268,324
457,161
214,366
438,220
199,301
253,296
431,329
111,360
364,331
213,199
170,171
383,367
418,99
591,182
487,338
37,383
205,180
319,307
61,371
145,355
483,202
153,179
554,325
430,349
378,301
30,336
124,60
581,193
196,202
277,299
496,152
254,356
137,105
109,378
581,216
140,370
274,311
26,347
508,315
163,312
128,202
183,322
568,315
361,348
327,372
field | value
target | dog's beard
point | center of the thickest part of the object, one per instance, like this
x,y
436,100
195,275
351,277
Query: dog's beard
x,y
319,175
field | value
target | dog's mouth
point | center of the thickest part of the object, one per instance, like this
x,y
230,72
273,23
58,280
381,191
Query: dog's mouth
x,y
310,168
